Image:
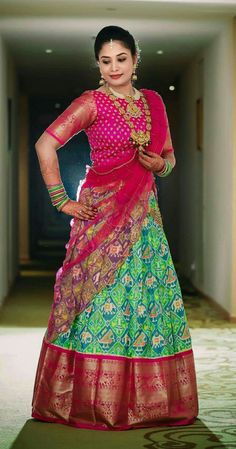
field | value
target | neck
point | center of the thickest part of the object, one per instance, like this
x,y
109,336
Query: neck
x,y
124,90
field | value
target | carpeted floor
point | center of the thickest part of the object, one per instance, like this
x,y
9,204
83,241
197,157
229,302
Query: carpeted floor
x,y
22,324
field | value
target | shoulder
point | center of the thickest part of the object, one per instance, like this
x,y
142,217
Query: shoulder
x,y
85,95
154,96
84,103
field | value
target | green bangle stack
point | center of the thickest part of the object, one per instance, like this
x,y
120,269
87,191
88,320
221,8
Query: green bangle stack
x,y
166,169
58,195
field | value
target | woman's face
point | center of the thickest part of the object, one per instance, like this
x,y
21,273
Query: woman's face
x,y
115,60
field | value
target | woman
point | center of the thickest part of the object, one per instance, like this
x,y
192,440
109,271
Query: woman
x,y
117,352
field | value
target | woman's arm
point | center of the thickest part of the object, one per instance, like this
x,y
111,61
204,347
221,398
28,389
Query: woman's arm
x,y
46,148
168,157
160,165
168,150
79,115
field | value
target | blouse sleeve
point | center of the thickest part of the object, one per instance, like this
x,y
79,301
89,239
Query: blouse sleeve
x,y
79,115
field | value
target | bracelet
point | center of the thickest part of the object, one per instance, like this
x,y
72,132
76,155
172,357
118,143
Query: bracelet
x,y
165,171
58,195
162,170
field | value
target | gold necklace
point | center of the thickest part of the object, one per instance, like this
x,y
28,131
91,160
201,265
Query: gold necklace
x,y
135,96
132,109
139,138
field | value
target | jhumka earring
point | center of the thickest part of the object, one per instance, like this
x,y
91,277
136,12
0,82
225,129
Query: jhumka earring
x,y
134,76
102,81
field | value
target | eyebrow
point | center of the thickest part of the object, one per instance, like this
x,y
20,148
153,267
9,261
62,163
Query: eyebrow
x,y
123,53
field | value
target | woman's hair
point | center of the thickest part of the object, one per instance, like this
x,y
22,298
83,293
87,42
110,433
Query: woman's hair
x,y
117,34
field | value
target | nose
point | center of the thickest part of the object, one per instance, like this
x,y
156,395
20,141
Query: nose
x,y
114,66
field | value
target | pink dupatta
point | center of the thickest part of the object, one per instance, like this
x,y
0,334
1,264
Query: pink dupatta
x,y
97,248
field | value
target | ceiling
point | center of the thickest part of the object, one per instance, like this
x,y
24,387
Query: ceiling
x,y
180,28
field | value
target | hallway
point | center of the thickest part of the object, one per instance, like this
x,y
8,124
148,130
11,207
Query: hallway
x,y
188,55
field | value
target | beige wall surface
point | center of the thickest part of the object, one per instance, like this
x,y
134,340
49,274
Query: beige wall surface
x,y
233,235
211,269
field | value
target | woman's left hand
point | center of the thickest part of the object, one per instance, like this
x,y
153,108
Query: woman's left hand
x,y
152,161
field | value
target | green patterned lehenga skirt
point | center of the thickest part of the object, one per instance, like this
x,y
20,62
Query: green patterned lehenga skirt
x,y
142,312
127,359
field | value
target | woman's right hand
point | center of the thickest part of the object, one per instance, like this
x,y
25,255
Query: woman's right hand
x,y
79,210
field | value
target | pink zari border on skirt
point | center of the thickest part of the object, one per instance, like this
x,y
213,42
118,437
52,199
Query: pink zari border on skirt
x,y
106,392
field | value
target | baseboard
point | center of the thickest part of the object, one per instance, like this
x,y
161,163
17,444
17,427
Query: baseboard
x,y
226,315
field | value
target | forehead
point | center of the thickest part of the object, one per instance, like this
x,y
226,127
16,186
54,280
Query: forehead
x,y
113,48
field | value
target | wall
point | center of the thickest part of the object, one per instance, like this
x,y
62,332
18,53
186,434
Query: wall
x,y
206,177
12,174
3,172
233,237
23,195
8,174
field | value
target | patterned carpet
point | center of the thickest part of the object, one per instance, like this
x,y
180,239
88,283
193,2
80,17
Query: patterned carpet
x,y
22,324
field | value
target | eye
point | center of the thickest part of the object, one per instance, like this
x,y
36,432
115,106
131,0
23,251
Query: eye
x,y
122,59
105,62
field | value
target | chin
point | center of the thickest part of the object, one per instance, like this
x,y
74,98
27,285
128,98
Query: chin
x,y
119,82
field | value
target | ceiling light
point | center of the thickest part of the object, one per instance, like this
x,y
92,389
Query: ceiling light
x,y
160,52
171,87
48,50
